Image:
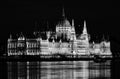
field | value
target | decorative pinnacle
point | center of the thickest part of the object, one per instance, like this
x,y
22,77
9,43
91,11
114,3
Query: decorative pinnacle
x,y
84,29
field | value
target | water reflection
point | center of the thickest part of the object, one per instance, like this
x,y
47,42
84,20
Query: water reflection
x,y
59,70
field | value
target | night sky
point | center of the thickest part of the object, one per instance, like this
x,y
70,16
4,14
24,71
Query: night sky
x,y
102,17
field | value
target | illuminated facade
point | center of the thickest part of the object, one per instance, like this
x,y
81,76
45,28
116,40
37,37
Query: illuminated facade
x,y
73,45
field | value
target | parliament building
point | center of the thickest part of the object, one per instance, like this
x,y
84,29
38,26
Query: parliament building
x,y
63,41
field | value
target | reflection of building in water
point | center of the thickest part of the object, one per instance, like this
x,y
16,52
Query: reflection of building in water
x,y
22,70
75,70
34,70
65,70
58,70
100,70
63,41
12,70
81,70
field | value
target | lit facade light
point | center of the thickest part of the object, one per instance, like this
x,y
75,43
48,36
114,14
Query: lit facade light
x,y
80,45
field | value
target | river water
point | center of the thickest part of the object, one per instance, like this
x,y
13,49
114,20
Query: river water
x,y
60,70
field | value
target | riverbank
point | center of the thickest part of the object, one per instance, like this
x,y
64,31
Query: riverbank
x,y
53,58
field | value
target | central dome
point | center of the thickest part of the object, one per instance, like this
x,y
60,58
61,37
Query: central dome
x,y
66,22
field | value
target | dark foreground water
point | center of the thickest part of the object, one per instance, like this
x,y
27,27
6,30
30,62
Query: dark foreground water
x,y
60,70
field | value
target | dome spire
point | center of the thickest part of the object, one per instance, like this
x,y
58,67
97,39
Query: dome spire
x,y
63,13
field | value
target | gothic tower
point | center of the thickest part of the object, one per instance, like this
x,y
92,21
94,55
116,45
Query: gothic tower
x,y
85,35
73,35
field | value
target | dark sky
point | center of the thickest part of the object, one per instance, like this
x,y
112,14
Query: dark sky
x,y
19,15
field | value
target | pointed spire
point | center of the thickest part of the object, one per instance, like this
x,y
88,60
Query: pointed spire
x,y
84,29
72,22
63,13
